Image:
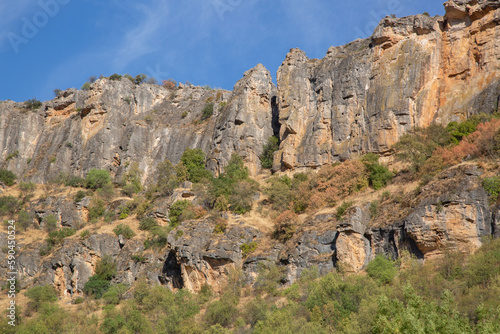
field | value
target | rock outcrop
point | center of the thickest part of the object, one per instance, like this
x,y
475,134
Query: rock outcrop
x,y
413,71
246,122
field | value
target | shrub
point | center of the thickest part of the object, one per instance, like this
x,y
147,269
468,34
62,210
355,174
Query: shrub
x,y
382,269
115,294
241,198
9,205
378,175
415,148
106,268
32,104
207,111
115,77
169,84
7,177
140,78
248,248
222,311
166,178
79,196
152,81
50,223
492,186
268,150
25,219
12,155
86,86
57,92
96,287
147,223
484,265
38,295
26,188
96,208
124,230
97,178
184,114
57,236
85,234
343,208
285,226
176,211
194,161
74,181
158,237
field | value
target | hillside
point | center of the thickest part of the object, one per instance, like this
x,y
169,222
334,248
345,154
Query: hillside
x,y
382,156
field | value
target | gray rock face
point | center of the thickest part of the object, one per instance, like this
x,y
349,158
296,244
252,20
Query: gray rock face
x,y
361,97
246,122
456,219
108,127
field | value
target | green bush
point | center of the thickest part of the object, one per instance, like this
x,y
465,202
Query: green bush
x,y
492,186
207,111
96,208
57,236
97,178
415,148
284,193
158,238
382,269
50,223
147,223
106,268
25,219
7,177
194,161
124,230
96,287
79,196
166,178
484,265
74,181
176,210
86,86
343,208
39,295
248,248
115,294
269,148
32,104
233,188
115,77
13,155
9,205
223,311
378,175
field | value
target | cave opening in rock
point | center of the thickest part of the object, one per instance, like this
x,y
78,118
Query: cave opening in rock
x,y
171,272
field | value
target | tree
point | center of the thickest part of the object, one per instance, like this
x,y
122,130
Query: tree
x,y
106,268
194,160
25,219
166,178
269,148
97,178
7,177
207,111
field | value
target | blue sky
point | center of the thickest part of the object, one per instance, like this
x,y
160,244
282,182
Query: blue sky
x,y
49,44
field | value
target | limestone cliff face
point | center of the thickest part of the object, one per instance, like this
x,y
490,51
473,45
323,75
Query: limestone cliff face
x,y
108,127
363,96
246,122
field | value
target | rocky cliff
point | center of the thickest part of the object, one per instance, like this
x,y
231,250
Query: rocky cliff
x,y
360,98
413,71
